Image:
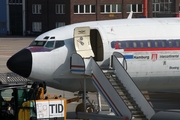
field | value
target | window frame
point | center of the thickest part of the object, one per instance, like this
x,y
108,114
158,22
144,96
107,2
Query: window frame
x,y
162,6
59,24
15,2
103,8
60,9
37,26
54,42
36,8
82,9
61,45
155,6
130,7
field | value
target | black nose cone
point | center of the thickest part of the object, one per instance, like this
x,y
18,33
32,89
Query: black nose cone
x,y
21,63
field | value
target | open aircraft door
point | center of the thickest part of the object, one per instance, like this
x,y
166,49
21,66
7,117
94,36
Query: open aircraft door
x,y
82,42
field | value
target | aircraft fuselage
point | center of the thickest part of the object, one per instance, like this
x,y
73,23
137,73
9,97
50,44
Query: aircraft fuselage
x,y
151,48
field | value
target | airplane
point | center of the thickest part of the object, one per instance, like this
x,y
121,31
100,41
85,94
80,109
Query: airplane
x,y
150,46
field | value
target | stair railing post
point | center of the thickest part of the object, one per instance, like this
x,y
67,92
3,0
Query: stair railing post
x,y
99,101
84,100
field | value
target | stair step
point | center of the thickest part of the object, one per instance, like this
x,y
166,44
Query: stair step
x,y
137,111
137,114
126,96
129,103
118,86
134,108
115,81
106,71
128,99
139,119
125,93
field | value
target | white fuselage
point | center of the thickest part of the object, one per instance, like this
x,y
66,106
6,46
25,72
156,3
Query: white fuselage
x,y
151,67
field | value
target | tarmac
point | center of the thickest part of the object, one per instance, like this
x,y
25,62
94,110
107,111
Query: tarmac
x,y
9,46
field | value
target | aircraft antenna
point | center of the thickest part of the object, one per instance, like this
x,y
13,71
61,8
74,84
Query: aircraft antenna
x,y
130,15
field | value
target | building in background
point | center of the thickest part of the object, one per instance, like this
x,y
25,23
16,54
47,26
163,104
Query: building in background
x,y
33,17
43,15
165,8
3,17
14,16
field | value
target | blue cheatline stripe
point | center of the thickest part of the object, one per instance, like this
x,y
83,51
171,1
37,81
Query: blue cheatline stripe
x,y
117,112
107,100
77,70
128,56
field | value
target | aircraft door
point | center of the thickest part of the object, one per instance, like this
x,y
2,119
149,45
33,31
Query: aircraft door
x,y
82,42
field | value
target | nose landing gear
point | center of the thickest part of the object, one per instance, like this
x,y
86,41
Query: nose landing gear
x,y
90,107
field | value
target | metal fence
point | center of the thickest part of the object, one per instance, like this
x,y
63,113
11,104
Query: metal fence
x,y
6,78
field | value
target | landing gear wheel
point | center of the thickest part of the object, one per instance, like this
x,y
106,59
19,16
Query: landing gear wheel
x,y
89,108
80,108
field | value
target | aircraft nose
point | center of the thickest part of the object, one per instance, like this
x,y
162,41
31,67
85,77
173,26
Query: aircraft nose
x,y
21,63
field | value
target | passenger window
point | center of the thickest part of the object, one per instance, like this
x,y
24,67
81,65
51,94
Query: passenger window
x,y
50,44
134,44
118,45
127,45
156,44
141,44
170,43
59,44
148,44
163,44
177,44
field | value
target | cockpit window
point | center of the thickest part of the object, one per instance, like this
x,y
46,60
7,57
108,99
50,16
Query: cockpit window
x,y
38,43
59,44
50,44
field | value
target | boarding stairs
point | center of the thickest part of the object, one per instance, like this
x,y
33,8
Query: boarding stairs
x,y
116,86
136,112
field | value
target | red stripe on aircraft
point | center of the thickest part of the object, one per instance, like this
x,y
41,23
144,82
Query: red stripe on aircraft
x,y
150,49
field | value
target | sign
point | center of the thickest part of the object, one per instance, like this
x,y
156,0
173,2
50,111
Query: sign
x,y
111,15
50,108
56,108
141,57
154,57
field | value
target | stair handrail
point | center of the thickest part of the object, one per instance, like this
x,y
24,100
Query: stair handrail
x,y
132,88
104,87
